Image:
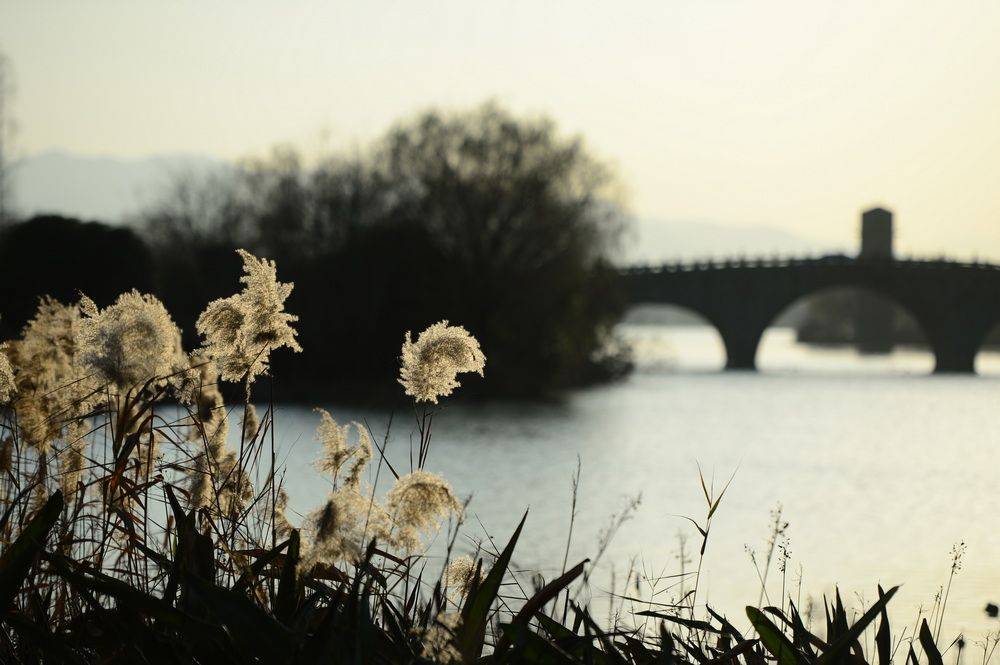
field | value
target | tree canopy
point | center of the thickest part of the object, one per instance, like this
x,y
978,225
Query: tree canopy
x,y
489,220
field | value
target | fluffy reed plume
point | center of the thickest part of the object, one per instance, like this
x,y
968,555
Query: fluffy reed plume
x,y
45,354
282,527
71,463
459,573
241,331
336,532
7,385
217,480
130,342
430,365
438,639
337,451
199,387
36,426
415,505
54,391
251,423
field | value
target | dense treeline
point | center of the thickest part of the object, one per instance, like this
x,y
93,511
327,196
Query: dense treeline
x,y
485,219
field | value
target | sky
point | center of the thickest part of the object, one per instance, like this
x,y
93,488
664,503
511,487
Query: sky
x,y
793,114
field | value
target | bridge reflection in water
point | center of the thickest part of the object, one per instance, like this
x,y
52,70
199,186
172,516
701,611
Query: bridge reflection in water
x,y
956,304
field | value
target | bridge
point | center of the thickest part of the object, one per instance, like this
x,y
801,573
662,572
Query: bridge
x,y
955,303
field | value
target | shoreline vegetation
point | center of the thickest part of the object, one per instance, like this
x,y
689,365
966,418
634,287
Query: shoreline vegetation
x,y
484,217
129,537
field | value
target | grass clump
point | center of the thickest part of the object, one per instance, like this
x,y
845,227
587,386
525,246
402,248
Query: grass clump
x,y
134,532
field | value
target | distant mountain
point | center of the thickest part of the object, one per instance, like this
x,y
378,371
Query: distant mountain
x,y
102,188
658,240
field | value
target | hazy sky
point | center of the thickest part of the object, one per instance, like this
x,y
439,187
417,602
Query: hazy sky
x,y
791,113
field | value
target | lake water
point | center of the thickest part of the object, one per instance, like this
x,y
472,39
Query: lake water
x,y
880,469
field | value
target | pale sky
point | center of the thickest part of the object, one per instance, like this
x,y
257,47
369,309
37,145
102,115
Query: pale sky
x,y
795,114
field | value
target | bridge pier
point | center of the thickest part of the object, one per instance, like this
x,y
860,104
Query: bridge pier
x,y
957,337
741,348
961,360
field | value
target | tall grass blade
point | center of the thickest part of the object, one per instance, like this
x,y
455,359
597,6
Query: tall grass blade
x,y
475,614
839,647
17,560
290,588
883,638
538,601
927,642
773,639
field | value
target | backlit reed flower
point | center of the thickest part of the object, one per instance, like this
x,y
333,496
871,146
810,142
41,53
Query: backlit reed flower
x,y
235,487
45,354
7,385
218,481
241,331
337,451
415,505
251,423
282,527
201,478
129,342
71,463
54,393
437,640
336,532
430,365
219,484
459,573
36,425
148,453
199,387
201,488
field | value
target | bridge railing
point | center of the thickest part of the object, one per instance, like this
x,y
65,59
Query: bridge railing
x,y
776,261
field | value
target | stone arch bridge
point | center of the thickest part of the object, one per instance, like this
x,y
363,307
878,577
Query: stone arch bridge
x,y
956,304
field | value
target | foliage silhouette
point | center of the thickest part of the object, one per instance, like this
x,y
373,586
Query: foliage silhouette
x,y
480,217
62,257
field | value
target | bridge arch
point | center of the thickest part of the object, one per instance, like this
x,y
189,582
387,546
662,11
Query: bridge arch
x,y
954,304
671,337
820,329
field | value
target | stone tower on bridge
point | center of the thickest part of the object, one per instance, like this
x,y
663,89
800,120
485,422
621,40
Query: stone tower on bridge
x,y
876,234
874,321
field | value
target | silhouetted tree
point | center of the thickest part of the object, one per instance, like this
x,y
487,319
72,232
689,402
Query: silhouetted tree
x,y
63,257
527,220
489,220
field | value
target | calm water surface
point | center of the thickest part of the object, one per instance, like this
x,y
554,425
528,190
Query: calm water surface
x,y
879,468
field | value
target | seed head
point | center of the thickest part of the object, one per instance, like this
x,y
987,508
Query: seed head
x,y
415,505
241,331
130,342
337,451
7,384
460,572
430,365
